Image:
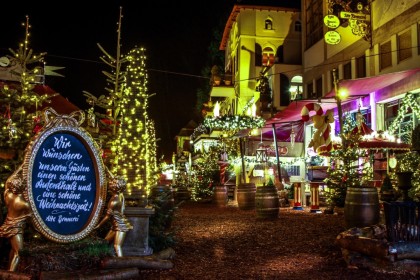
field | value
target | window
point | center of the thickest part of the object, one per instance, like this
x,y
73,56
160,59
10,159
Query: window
x,y
258,55
267,56
280,54
293,170
347,71
268,24
310,90
296,88
314,22
318,87
298,26
408,122
418,38
284,90
385,56
404,45
361,66
366,116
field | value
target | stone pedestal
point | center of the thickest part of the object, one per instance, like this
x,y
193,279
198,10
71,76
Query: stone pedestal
x,y
137,240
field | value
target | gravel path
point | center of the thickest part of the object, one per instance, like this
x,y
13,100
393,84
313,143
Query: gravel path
x,y
228,243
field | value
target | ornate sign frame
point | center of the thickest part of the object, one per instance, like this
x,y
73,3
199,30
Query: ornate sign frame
x,y
65,197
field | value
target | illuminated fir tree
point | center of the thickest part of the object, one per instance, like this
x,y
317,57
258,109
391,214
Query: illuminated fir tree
x,y
106,129
349,167
133,137
206,174
126,134
19,104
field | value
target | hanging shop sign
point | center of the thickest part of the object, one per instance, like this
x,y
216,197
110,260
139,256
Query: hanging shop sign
x,y
354,16
331,21
65,178
332,37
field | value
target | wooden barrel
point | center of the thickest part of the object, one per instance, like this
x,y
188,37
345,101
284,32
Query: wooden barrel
x,y
361,208
267,202
182,194
220,195
246,196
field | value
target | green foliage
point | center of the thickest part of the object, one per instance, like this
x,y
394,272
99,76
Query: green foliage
x,y
347,168
227,122
19,106
387,184
206,174
270,182
410,161
161,234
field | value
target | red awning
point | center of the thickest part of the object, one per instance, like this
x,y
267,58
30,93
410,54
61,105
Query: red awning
x,y
356,88
364,86
292,113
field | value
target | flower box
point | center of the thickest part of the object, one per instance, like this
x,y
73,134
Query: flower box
x,y
317,173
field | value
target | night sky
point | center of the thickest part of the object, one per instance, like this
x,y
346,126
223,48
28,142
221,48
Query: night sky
x,y
176,35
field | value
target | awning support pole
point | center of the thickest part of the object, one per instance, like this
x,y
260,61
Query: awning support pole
x,y
277,151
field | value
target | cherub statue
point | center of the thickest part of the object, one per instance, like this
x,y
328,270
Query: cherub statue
x,y
115,213
18,211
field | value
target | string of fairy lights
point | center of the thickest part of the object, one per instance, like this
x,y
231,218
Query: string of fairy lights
x,y
136,145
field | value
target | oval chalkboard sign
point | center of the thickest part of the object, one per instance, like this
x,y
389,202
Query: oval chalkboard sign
x,y
66,183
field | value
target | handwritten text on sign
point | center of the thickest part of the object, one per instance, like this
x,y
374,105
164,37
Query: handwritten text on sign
x,y
64,183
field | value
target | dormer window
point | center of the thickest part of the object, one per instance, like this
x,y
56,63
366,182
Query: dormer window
x,y
268,24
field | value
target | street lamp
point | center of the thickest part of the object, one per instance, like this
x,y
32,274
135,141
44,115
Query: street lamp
x,y
261,152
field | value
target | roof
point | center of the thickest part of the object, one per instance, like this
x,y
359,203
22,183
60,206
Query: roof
x,y
292,6
187,130
59,103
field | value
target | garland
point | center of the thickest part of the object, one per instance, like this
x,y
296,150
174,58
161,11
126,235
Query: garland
x,y
409,101
234,122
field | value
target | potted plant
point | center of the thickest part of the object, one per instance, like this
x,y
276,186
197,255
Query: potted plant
x,y
291,195
216,76
228,78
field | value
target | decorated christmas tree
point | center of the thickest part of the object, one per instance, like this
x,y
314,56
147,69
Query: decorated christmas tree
x,y
348,167
206,174
20,117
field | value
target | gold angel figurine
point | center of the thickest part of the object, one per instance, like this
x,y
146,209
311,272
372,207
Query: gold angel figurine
x,y
18,211
115,213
